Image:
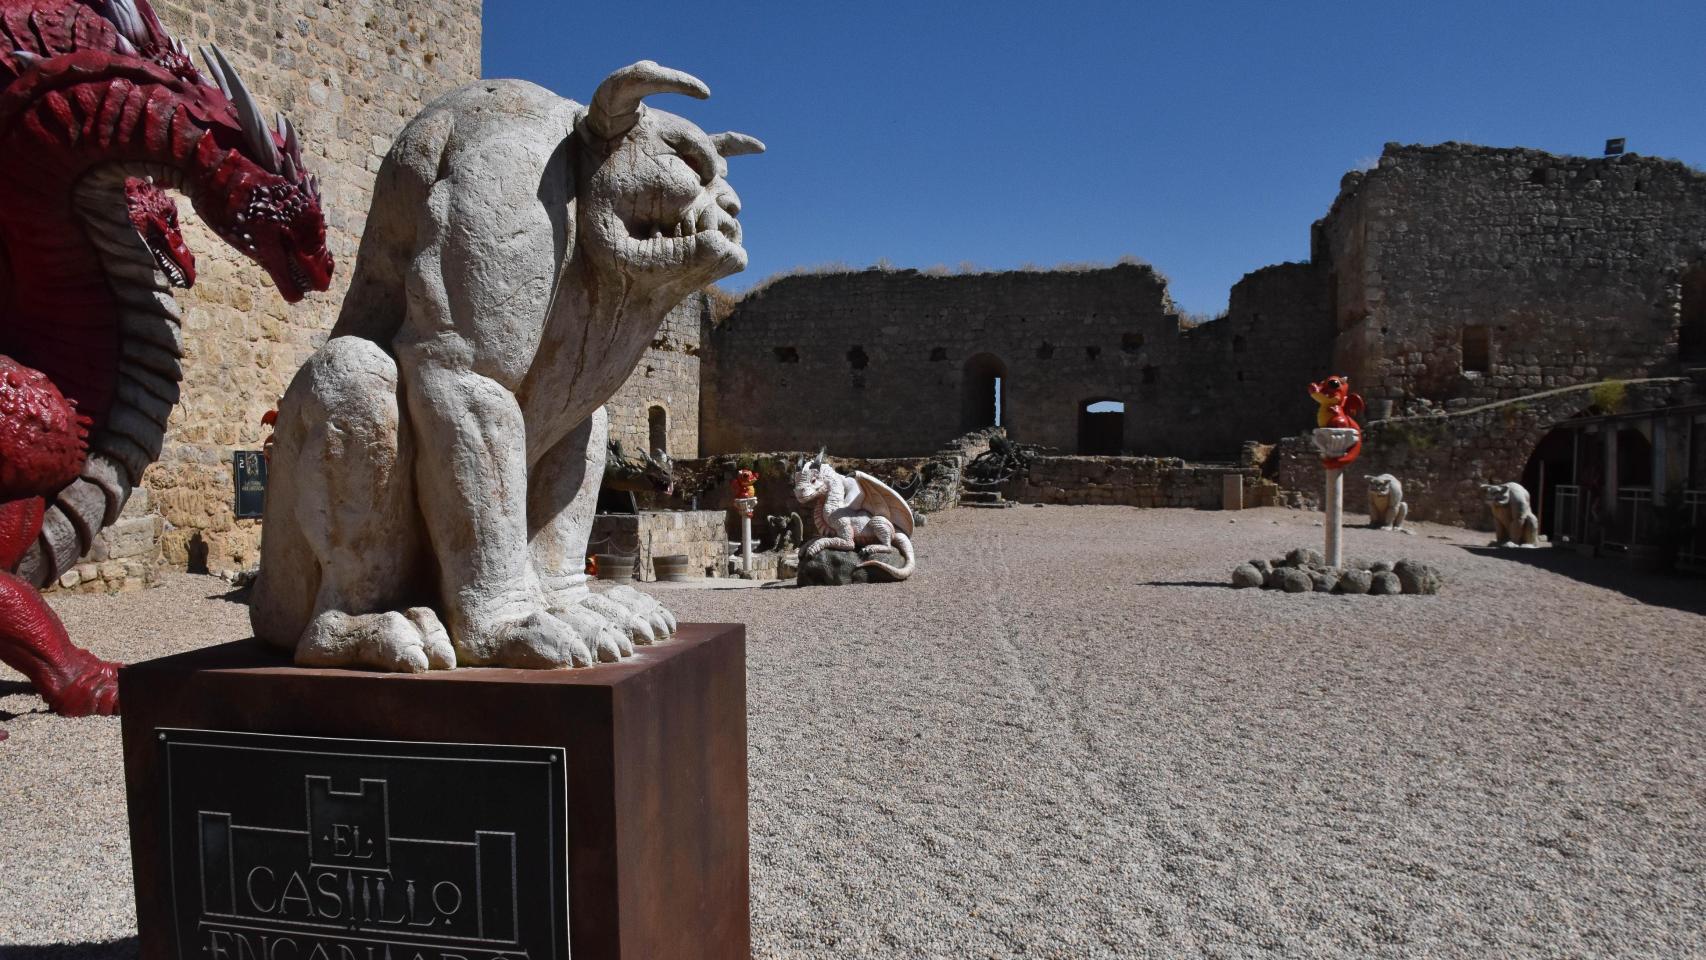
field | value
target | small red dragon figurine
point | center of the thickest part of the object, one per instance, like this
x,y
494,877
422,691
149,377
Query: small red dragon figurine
x,y
744,485
1338,406
100,110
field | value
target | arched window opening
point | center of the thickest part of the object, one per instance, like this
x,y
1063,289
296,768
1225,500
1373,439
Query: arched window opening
x,y
981,392
657,423
1101,427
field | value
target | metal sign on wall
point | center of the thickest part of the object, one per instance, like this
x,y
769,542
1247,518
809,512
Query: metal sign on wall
x,y
309,848
249,481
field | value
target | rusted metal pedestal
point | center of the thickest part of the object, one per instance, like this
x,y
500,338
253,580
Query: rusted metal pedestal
x,y
426,809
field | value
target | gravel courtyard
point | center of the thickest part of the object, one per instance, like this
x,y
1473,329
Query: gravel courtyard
x,y
1067,738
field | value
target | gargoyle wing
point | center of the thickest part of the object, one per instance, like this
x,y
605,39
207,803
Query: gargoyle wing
x,y
881,500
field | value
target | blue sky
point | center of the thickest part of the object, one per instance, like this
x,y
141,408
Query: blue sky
x,y
1202,137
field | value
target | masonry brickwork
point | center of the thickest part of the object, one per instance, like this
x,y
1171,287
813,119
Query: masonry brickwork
x,y
349,74
1444,279
660,399
894,363
1461,272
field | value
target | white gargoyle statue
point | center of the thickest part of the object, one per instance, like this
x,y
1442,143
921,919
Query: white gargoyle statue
x,y
436,464
855,513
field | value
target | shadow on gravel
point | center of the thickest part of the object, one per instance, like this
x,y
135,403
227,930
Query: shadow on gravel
x,y
1656,589
1187,583
234,595
123,949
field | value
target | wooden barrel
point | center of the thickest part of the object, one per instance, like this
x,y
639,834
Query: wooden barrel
x,y
616,567
673,567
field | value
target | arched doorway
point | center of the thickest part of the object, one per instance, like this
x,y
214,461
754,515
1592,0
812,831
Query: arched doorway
x,y
981,392
1553,478
657,428
1101,428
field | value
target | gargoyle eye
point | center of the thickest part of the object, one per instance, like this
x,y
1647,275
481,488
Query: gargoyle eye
x,y
694,163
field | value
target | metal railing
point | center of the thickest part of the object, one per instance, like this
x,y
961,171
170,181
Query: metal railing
x,y
1632,526
1567,513
1692,554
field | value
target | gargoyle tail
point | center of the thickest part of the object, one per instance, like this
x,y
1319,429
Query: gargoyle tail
x,y
903,571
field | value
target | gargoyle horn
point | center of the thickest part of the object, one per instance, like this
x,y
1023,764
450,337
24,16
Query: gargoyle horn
x,y
616,104
732,144
248,111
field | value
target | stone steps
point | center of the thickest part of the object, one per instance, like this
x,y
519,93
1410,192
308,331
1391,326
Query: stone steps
x,y
987,499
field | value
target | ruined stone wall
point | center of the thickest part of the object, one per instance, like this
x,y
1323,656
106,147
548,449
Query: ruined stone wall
x,y
1572,265
349,75
1131,481
1443,457
698,535
887,363
667,379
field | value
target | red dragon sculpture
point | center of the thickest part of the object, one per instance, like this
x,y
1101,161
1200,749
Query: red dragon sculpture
x,y
100,109
1337,406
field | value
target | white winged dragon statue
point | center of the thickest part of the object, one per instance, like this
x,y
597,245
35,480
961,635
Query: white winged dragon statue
x,y
855,513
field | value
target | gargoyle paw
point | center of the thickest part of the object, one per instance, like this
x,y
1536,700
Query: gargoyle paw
x,y
411,643
620,616
537,640
608,641
646,606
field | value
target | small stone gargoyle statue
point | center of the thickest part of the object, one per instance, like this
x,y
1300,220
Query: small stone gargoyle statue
x,y
858,513
1514,523
1386,506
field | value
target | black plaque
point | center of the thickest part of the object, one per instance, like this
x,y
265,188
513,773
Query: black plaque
x,y
249,480
308,848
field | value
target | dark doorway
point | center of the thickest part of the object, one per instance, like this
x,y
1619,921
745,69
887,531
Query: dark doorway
x,y
1692,339
1552,464
657,423
1634,459
981,392
1101,428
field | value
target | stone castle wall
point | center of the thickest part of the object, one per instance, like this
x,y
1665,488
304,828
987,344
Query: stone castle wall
x,y
1449,273
1568,269
895,363
665,381
349,75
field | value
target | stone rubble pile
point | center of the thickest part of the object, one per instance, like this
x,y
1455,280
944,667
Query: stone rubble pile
x,y
1304,570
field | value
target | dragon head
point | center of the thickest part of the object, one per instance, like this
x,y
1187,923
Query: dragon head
x,y
155,218
269,207
660,470
653,188
812,478
1332,391
251,185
